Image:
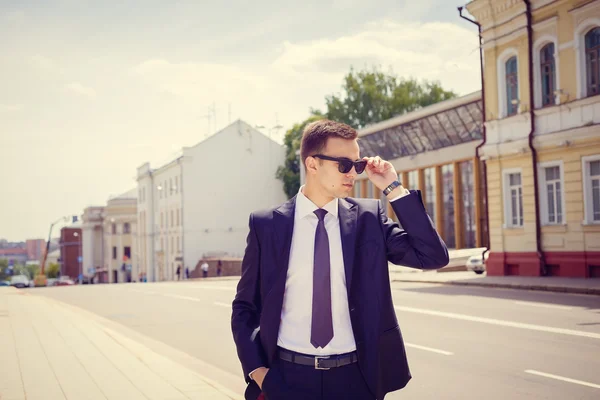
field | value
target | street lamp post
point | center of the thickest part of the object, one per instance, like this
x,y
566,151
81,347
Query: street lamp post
x,y
40,280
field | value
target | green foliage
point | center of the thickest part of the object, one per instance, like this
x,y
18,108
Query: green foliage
x,y
371,96
53,271
368,97
290,172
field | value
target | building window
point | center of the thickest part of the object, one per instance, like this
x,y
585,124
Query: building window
x,y
171,248
591,188
413,180
162,220
127,252
178,244
513,199
592,69
448,198
551,193
176,184
126,227
512,86
114,253
548,74
114,229
468,198
430,192
172,219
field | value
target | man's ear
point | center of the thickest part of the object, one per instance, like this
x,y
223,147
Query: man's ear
x,y
311,164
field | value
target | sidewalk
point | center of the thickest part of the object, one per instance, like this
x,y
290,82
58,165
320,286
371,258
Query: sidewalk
x,y
50,351
468,278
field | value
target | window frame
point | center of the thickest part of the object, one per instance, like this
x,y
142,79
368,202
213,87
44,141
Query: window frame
x,y
543,198
501,80
537,79
580,55
587,192
506,194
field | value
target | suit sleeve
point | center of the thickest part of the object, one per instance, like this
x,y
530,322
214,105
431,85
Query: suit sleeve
x,y
245,318
416,244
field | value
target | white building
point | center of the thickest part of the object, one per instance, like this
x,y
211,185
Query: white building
x,y
160,220
198,204
109,240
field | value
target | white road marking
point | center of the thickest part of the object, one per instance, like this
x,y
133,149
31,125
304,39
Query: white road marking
x,y
500,322
416,346
562,378
226,305
176,296
201,286
543,305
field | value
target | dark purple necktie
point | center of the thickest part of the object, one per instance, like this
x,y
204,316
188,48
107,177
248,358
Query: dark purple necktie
x,y
322,324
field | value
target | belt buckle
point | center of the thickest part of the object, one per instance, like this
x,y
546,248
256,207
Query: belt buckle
x,y
317,358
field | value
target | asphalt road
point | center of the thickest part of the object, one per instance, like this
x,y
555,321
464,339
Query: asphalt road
x,y
463,343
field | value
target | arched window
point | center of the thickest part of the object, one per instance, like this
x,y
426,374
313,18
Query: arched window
x,y
512,86
548,74
592,69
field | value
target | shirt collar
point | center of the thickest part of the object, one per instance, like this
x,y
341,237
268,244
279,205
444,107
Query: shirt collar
x,y
304,206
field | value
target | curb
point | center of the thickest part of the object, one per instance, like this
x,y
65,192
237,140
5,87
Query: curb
x,y
541,288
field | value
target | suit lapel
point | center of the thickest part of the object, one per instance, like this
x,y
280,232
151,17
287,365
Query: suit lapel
x,y
347,216
284,228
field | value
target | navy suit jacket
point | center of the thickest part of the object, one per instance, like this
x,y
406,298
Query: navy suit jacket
x,y
369,241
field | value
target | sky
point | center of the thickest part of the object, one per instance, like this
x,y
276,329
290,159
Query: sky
x,y
91,90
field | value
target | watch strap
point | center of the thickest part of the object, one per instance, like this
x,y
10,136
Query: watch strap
x,y
391,187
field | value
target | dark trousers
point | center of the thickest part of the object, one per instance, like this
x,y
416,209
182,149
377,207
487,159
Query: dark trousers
x,y
288,381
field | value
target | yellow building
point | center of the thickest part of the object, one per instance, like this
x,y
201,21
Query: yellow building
x,y
542,135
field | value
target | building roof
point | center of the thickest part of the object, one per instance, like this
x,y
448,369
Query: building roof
x,y
130,194
439,125
13,252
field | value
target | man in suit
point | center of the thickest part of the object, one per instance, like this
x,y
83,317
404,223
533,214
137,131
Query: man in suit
x,y
313,316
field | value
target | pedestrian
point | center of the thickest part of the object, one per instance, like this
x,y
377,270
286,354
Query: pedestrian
x,y
187,273
219,268
204,268
178,272
313,316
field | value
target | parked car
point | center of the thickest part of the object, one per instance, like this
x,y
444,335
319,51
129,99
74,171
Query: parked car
x,y
476,264
64,281
20,281
4,283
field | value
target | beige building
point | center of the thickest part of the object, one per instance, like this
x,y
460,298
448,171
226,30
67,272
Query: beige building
x,y
109,240
542,135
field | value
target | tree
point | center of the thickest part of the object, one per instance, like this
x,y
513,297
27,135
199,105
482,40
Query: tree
x,y
53,270
371,96
290,172
4,270
30,270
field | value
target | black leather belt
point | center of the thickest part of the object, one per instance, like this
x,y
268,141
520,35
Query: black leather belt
x,y
318,362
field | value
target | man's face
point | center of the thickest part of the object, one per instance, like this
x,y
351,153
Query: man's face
x,y
334,183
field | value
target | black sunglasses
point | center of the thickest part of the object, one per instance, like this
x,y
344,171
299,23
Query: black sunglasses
x,y
345,164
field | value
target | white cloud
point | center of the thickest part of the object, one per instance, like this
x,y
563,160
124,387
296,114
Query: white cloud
x,y
424,51
9,108
301,74
81,90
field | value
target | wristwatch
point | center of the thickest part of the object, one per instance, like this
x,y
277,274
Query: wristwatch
x,y
391,187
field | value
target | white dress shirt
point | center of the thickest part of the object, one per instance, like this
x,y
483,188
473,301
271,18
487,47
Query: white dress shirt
x,y
296,314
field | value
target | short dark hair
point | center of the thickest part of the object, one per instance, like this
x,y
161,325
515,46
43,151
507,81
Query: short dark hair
x,y
315,135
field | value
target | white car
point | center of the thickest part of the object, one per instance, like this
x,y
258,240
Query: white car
x,y
476,264
19,281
